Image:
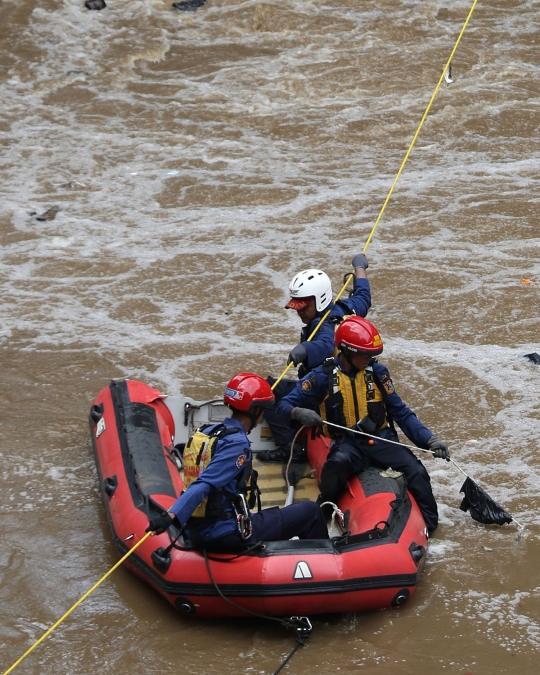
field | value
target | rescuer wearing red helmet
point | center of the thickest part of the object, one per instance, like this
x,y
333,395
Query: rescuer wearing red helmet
x,y
221,486
311,298
353,390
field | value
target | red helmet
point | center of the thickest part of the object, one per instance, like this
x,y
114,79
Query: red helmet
x,y
359,336
247,391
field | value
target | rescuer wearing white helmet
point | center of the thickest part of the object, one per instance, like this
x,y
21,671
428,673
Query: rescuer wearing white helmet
x,y
311,298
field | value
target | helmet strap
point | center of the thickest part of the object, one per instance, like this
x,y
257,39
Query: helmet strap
x,y
344,353
253,415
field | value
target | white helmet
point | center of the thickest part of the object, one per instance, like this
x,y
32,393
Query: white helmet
x,y
308,284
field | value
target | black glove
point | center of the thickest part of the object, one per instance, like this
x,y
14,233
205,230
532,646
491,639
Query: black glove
x,y
160,524
360,260
440,449
297,354
307,417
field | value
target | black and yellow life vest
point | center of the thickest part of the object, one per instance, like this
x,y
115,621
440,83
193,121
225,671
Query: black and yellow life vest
x,y
352,398
198,454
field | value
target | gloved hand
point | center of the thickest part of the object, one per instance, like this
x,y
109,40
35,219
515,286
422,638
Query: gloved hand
x,y
297,354
440,449
307,417
360,260
160,524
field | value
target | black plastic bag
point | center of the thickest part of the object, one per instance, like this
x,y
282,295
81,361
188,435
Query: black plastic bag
x,y
482,508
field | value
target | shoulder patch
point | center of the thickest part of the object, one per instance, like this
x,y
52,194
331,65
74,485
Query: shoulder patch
x,y
240,461
306,385
388,385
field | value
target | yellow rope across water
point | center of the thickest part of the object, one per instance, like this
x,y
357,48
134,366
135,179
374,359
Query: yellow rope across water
x,y
441,78
98,583
446,67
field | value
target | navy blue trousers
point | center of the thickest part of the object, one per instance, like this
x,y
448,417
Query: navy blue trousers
x,y
347,457
304,520
281,431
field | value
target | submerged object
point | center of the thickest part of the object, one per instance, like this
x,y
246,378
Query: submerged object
x,y
95,4
138,436
188,5
533,356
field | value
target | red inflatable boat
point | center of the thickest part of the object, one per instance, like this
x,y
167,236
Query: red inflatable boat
x,y
138,436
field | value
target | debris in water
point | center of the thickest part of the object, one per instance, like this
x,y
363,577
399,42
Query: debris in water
x,y
481,506
448,75
95,4
49,214
534,357
489,550
443,14
70,184
188,5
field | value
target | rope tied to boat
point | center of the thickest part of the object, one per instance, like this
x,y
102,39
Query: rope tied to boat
x,y
301,625
303,630
445,77
336,511
112,569
98,583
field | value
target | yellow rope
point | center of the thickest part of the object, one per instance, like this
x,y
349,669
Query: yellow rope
x,y
447,65
45,635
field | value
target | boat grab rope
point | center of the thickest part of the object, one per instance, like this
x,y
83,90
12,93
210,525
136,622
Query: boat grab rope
x,y
445,76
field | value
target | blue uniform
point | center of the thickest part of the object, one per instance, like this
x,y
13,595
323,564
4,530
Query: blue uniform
x,y
322,346
223,474
348,455
318,350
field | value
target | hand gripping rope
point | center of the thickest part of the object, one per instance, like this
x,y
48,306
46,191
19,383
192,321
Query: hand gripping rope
x,y
441,79
445,76
431,452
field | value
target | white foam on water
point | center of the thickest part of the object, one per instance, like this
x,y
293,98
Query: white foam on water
x,y
200,160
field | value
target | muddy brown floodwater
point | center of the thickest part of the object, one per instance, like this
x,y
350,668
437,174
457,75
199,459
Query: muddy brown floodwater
x,y
196,162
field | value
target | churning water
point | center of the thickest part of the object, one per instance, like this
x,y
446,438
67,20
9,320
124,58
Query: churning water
x,y
164,175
